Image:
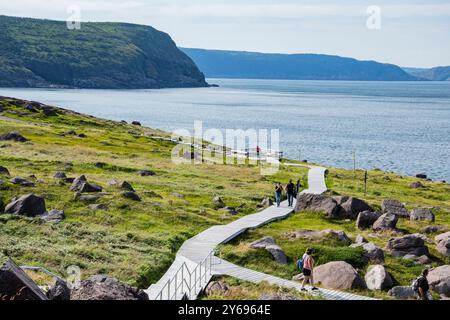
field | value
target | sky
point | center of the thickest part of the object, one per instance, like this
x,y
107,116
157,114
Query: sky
x,y
409,33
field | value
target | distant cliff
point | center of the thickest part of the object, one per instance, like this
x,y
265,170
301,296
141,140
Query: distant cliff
x,y
433,74
252,65
43,53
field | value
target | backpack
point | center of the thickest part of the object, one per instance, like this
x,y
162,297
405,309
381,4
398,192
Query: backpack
x,y
415,285
300,263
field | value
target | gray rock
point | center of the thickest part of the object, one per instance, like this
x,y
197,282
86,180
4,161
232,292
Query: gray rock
x,y
177,195
366,219
317,203
385,222
53,216
78,183
338,275
433,229
360,239
102,287
402,292
125,185
277,253
229,210
373,253
131,195
424,260
22,182
216,288
136,123
59,291
377,278
100,165
350,207
146,173
28,205
99,206
416,185
422,214
262,243
4,171
312,235
421,175
266,202
13,136
443,243
60,175
218,202
90,188
394,207
86,198
409,244
439,280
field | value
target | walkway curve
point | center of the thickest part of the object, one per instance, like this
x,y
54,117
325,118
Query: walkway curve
x,y
198,249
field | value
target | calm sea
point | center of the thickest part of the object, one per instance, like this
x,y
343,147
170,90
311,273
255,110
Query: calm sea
x,y
395,126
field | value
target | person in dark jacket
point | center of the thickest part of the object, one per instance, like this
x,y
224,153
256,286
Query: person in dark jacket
x,y
423,287
290,190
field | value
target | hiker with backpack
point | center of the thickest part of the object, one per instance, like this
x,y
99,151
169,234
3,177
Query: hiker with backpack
x,y
278,193
306,265
421,286
290,189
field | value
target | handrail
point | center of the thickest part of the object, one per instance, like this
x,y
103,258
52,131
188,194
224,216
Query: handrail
x,y
198,278
43,270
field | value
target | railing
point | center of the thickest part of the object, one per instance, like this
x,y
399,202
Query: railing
x,y
186,284
44,271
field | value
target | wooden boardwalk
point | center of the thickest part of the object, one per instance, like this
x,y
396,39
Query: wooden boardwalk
x,y
195,263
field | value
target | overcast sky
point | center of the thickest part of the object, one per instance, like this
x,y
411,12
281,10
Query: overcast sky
x,y
413,33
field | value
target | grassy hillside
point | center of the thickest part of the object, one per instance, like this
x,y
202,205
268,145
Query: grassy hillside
x,y
133,241
44,53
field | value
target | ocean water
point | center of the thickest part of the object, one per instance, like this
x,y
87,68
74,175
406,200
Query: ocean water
x,y
395,126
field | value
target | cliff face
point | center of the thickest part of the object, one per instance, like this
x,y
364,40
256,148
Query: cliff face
x,y
253,65
43,53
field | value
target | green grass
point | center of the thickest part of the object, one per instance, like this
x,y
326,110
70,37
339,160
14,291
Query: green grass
x,y
133,241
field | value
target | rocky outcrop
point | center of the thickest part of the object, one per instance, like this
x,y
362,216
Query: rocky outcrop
x,y
439,280
394,207
327,234
101,287
28,205
377,278
387,221
366,219
422,214
59,291
269,244
338,275
443,243
409,244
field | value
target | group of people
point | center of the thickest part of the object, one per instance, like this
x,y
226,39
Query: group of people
x,y
291,191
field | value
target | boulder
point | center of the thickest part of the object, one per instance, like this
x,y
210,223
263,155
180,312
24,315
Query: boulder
x,y
269,244
439,280
422,214
266,202
326,234
125,185
394,207
13,136
177,195
146,173
262,243
338,275
416,185
131,195
360,239
229,210
372,253
99,206
16,285
385,222
402,292
366,219
377,278
4,171
53,216
424,259
408,244
136,123
317,203
60,175
86,198
433,229
78,183
350,207
443,243
216,288
421,175
278,297
218,202
82,135
22,182
102,287
28,205
59,291
100,165
90,188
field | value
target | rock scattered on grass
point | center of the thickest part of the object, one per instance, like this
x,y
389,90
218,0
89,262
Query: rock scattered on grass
x,y
13,136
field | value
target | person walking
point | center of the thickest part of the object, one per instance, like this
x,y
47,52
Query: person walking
x,y
298,186
307,269
421,286
278,193
290,189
